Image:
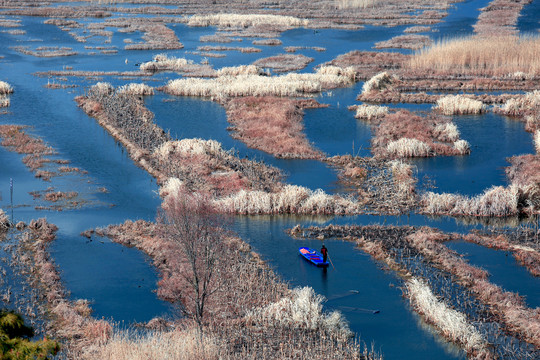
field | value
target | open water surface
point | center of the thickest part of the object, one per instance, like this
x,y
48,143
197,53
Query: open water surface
x,y
121,282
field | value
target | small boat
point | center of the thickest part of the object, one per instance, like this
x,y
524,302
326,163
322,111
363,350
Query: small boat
x,y
313,256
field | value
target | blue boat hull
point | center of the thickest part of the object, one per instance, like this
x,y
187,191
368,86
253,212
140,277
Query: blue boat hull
x,y
313,256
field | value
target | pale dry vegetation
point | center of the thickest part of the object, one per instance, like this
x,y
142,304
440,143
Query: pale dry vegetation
x,y
245,20
459,105
496,201
451,323
239,70
136,89
493,56
348,4
5,88
291,199
292,84
4,221
370,112
378,82
4,101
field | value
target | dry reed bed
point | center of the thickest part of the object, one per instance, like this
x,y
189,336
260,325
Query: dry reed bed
x,y
267,42
289,85
526,107
70,321
451,323
499,18
414,42
496,56
378,242
386,187
200,165
458,105
273,125
293,49
253,307
156,35
242,49
508,308
367,64
525,255
46,51
14,138
403,134
284,62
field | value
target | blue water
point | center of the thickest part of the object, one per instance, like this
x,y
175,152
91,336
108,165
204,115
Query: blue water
x,y
529,20
121,282
503,269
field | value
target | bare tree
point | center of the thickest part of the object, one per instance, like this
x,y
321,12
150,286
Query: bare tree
x,y
196,231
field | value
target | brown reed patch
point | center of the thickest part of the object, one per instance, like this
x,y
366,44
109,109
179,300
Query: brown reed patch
x,y
414,42
284,62
271,124
427,137
368,63
499,17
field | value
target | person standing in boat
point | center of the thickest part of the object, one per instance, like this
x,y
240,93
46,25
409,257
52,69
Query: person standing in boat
x,y
324,252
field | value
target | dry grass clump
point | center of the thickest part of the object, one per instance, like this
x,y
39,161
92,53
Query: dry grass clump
x,y
290,199
243,20
459,105
4,221
378,82
271,124
524,173
239,70
493,56
451,323
406,147
161,62
284,62
225,86
5,88
537,141
4,101
136,89
524,105
370,112
176,344
403,134
417,29
496,201
303,309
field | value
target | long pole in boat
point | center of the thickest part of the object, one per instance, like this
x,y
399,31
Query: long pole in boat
x,y
11,194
